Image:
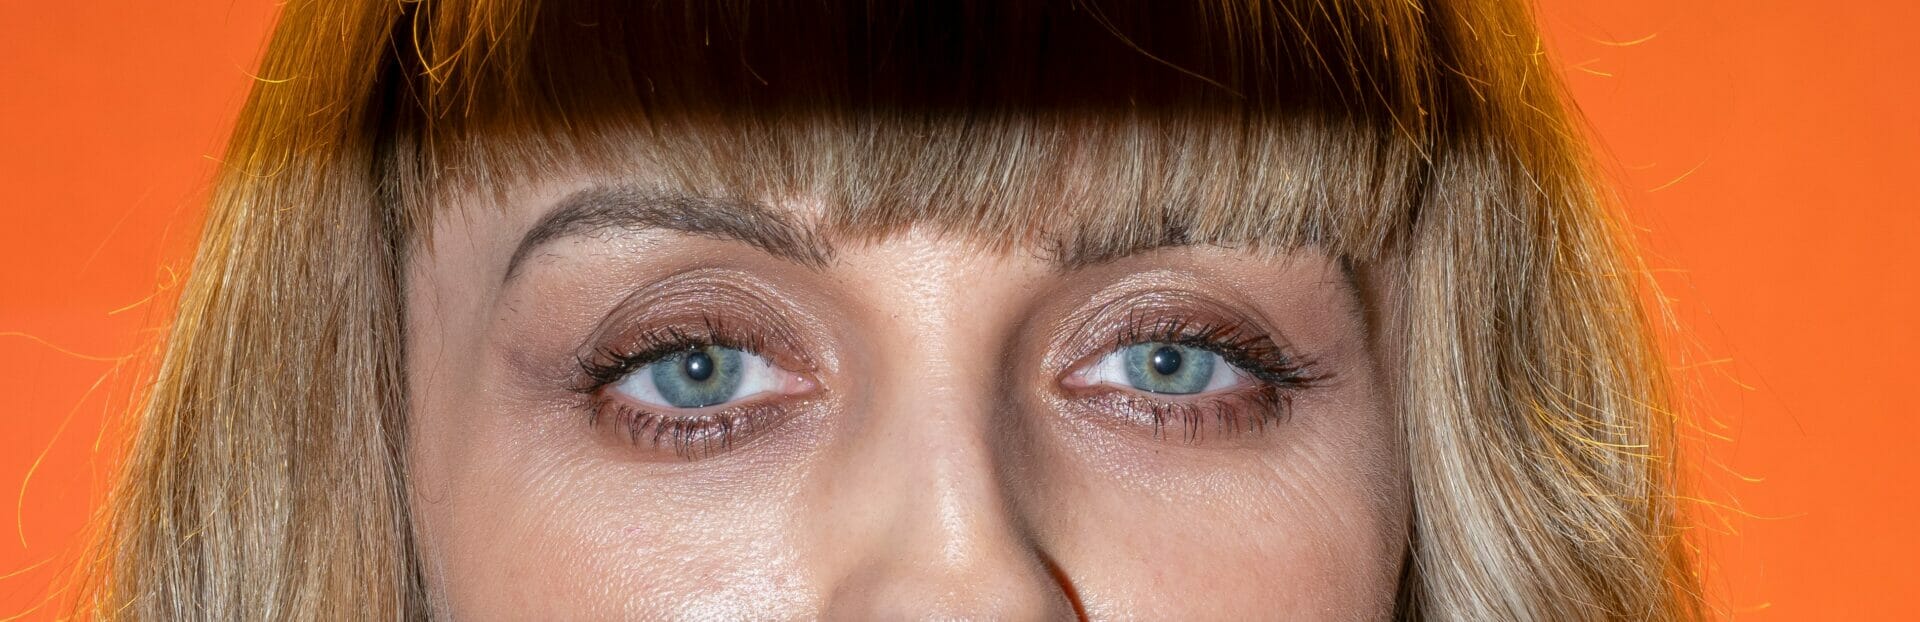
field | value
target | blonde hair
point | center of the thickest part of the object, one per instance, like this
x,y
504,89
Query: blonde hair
x,y
268,475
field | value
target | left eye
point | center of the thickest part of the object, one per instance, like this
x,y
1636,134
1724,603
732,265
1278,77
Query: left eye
x,y
700,377
1163,368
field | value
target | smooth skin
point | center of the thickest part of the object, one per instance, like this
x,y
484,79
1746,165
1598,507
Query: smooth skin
x,y
931,464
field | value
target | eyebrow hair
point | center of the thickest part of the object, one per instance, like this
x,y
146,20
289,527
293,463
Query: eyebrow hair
x,y
1083,248
775,232
629,209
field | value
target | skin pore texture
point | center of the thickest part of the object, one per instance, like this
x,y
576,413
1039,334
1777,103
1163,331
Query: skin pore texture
x,y
932,445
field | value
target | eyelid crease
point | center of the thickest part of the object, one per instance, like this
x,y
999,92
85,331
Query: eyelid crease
x,y
689,310
1242,337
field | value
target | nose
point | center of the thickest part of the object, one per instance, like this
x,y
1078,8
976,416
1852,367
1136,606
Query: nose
x,y
923,525
936,537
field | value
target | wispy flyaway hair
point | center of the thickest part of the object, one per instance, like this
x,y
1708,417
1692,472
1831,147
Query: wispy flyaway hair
x,y
1429,139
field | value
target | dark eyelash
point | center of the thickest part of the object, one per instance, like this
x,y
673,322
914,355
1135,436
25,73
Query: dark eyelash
x,y
608,364
1269,404
1250,350
1244,412
690,437
1280,376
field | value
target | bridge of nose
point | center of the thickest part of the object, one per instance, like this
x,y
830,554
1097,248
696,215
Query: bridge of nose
x,y
916,501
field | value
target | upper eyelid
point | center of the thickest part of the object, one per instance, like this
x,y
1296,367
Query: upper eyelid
x,y
706,302
606,367
1212,340
789,325
1129,320
1129,308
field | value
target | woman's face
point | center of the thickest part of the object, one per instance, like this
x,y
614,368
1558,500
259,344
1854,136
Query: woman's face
x,y
628,403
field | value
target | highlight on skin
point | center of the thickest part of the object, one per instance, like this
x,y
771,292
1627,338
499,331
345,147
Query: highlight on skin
x,y
1421,150
936,464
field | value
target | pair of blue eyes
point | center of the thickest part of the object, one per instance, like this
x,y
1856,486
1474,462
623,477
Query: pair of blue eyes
x,y
715,375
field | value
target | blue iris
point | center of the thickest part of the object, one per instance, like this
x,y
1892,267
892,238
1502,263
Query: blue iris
x,y
697,378
1157,367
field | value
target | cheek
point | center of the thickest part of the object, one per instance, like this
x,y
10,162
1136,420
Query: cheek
x,y
522,513
1313,524
532,523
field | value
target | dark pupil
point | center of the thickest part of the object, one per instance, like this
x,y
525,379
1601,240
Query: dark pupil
x,y
1166,360
699,366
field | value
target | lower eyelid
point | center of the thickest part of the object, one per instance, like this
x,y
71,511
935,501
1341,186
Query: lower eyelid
x,y
687,436
1214,416
693,434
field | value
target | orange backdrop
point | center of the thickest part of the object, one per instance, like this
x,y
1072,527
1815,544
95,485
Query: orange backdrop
x,y
1766,149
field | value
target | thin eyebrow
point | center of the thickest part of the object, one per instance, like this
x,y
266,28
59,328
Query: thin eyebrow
x,y
603,208
1083,248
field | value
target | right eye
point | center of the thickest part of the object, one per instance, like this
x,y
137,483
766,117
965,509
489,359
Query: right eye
x,y
1163,369
701,377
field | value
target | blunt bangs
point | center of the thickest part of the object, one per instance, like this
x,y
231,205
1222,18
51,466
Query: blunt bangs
x,y
1081,129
